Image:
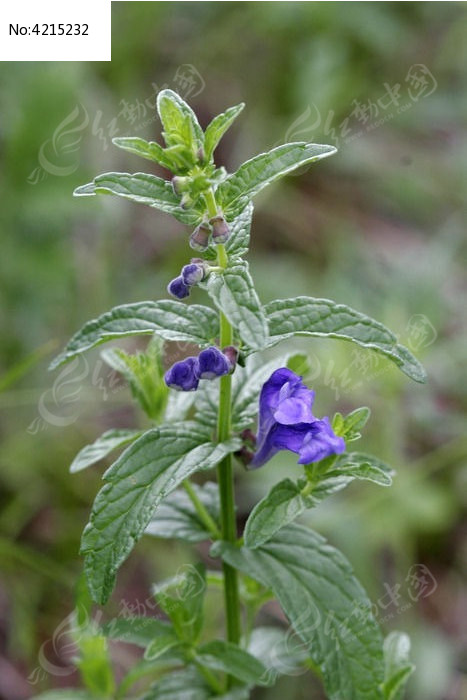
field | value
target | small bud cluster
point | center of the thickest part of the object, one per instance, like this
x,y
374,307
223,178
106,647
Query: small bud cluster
x,y
210,364
190,275
217,230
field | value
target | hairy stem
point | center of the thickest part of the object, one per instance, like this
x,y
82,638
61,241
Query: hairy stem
x,y
225,480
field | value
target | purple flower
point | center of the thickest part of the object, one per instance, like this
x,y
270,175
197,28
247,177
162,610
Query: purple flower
x,y
192,273
177,288
183,375
213,363
287,423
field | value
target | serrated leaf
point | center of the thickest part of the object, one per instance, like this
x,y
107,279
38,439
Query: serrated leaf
x,y
143,188
254,175
146,149
325,604
170,320
398,667
175,113
217,128
234,294
100,448
229,658
138,630
287,499
307,316
148,471
176,517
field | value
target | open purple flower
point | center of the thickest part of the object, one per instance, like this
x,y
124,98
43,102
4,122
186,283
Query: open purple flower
x,y
286,422
183,375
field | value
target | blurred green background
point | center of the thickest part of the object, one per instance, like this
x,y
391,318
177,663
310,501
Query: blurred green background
x,y
378,226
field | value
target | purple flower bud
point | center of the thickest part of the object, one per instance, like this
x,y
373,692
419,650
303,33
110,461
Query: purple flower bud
x,y
193,273
199,239
177,288
183,375
231,354
212,363
220,229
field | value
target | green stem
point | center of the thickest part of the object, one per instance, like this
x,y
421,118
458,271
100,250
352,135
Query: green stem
x,y
203,514
225,480
211,205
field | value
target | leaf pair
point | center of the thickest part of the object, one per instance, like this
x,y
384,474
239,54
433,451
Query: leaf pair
x,y
330,612
148,471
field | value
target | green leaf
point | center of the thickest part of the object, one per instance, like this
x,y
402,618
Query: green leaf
x,y
176,517
179,404
323,318
148,470
139,630
100,448
229,658
181,598
170,320
280,651
143,188
281,506
239,241
175,114
162,644
288,499
146,149
186,684
254,175
398,667
361,466
234,294
217,128
95,666
326,605
350,426
145,374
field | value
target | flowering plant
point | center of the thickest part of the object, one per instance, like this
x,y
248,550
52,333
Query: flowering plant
x,y
203,411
